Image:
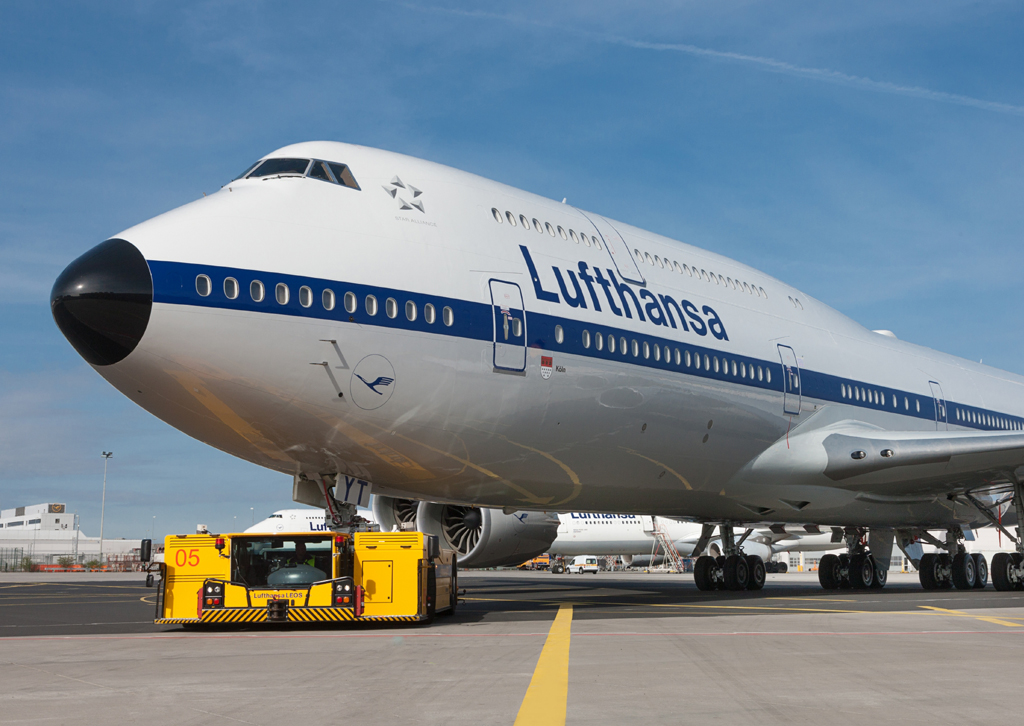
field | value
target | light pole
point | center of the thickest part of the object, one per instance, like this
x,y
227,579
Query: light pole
x,y
152,534
253,513
103,502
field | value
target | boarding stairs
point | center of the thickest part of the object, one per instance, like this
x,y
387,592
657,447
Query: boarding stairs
x,y
675,560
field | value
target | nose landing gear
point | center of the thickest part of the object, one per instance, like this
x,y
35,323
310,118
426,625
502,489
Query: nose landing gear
x,y
734,570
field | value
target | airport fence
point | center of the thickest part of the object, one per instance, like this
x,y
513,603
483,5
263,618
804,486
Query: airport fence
x,y
12,559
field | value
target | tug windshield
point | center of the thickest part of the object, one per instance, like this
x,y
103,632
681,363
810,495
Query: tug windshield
x,y
280,561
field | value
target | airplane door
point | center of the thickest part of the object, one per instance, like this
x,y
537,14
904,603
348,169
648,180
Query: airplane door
x,y
648,522
790,380
509,326
618,250
939,401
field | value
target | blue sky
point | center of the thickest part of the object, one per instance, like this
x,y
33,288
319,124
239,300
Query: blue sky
x,y
870,154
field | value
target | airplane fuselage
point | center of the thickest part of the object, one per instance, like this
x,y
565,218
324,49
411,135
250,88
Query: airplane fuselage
x,y
408,333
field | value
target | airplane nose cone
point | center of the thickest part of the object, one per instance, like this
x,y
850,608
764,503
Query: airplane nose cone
x,y
102,301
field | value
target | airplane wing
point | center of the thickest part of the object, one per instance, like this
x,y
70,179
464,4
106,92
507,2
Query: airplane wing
x,y
895,466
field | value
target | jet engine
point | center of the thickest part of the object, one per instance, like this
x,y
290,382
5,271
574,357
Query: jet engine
x,y
487,537
391,513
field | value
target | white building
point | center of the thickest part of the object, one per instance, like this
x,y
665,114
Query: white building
x,y
47,532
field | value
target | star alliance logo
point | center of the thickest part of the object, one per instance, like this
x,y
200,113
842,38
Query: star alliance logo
x,y
406,190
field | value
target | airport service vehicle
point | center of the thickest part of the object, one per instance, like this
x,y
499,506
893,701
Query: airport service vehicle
x,y
368,322
583,563
540,562
304,577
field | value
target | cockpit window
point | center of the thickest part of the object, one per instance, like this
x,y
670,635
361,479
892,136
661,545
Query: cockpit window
x,y
280,167
246,172
327,171
319,171
344,176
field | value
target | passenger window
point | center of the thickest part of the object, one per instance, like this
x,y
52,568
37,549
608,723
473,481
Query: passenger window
x,y
343,176
611,343
660,263
650,260
559,333
763,293
647,350
715,360
574,237
759,376
677,267
281,293
537,227
586,338
562,233
428,314
203,285
371,305
391,308
679,357
410,310
734,368
743,370
622,345
511,218
327,299
448,317
597,243
496,214
517,326
586,240
767,375
598,341
636,349
230,288
256,290
657,352
687,270
639,255
689,361
350,302
549,228
319,171
305,296
707,362
524,221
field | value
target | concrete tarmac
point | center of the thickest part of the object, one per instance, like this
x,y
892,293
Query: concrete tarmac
x,y
644,649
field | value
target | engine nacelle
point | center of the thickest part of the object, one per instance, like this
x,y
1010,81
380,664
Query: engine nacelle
x,y
487,537
392,514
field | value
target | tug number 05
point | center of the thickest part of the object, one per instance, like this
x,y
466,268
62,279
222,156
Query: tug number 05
x,y
190,558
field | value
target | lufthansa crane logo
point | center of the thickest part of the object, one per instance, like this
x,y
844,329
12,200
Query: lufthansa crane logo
x,y
406,195
373,382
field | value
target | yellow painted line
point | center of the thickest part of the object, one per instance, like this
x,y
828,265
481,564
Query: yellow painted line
x,y
547,696
815,599
699,606
961,614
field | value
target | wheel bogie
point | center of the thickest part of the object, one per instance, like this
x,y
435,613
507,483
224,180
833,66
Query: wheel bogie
x,y
757,572
963,572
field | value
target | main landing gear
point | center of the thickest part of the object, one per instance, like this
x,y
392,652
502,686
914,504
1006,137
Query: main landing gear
x,y
733,570
1007,567
857,568
955,567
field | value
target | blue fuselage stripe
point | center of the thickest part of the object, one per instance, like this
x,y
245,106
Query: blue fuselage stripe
x,y
174,283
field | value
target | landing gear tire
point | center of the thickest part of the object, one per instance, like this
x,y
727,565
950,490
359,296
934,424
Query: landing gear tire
x,y
929,573
844,564
1002,565
946,563
829,572
557,569
737,574
980,571
782,568
964,574
862,571
702,573
881,577
755,566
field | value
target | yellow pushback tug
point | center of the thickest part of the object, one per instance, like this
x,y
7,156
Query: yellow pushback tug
x,y
304,577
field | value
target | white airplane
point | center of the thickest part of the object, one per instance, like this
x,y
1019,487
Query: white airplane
x,y
349,315
292,520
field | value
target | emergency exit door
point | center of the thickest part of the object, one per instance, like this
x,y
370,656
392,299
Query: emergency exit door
x,y
509,326
617,249
939,401
791,394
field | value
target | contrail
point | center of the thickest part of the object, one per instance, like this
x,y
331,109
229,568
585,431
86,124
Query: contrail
x,y
770,64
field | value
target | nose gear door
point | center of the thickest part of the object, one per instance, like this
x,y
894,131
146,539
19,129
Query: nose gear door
x,y
509,326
